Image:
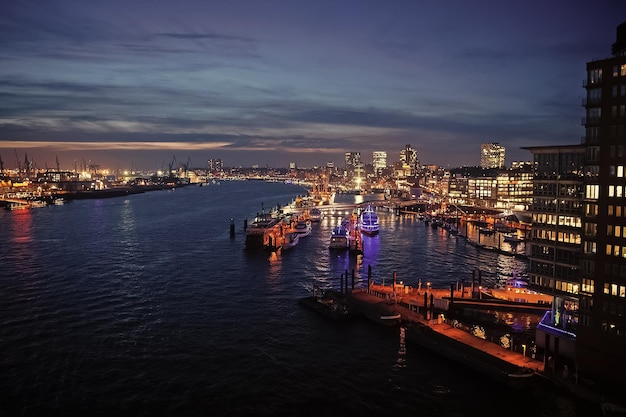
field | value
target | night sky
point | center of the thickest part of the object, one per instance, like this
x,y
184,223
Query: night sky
x,y
133,84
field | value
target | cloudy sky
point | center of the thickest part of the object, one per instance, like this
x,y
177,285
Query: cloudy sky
x,y
134,84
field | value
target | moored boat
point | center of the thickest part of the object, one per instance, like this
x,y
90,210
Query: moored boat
x,y
303,227
339,238
264,232
511,238
290,240
316,214
368,221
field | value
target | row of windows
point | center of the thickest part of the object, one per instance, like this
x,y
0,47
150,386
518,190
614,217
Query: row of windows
x,y
589,247
616,131
565,286
618,111
614,328
616,250
588,285
617,191
618,70
554,219
617,211
550,205
563,237
615,230
619,90
615,270
616,290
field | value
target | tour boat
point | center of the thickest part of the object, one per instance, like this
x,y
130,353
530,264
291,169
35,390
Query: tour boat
x,y
316,214
368,221
303,227
339,238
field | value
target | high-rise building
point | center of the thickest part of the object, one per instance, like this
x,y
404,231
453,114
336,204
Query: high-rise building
x,y
578,246
215,165
492,155
379,161
409,160
555,248
601,336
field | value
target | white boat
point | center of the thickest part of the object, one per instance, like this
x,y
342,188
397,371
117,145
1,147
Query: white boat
x,y
303,227
316,214
290,240
368,221
339,238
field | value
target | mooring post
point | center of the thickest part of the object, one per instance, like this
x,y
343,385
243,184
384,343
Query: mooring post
x,y
232,228
426,305
352,280
342,283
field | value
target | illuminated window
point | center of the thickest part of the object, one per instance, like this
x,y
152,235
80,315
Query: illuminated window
x,y
622,71
611,191
620,171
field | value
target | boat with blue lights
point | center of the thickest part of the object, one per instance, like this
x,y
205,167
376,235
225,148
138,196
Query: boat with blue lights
x,y
368,221
339,238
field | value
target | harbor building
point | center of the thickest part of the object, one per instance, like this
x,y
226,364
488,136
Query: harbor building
x,y
492,155
601,336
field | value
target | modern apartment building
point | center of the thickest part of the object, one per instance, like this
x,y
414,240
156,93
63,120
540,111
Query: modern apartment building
x,y
578,246
601,336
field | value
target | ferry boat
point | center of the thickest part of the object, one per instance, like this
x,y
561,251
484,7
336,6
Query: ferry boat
x,y
339,238
316,214
264,232
368,221
303,227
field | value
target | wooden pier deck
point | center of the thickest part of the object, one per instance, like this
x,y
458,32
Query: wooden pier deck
x,y
410,308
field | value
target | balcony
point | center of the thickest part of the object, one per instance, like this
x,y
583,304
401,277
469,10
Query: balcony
x,y
547,325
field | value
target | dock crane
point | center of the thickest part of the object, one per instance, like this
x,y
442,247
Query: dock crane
x,y
170,166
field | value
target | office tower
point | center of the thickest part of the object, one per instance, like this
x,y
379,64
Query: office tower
x,y
410,160
601,336
492,155
379,161
352,161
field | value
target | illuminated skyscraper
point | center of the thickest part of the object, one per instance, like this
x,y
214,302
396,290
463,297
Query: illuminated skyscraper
x,y
379,161
491,155
409,159
601,335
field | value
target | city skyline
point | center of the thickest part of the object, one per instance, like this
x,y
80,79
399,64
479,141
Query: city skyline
x,y
133,85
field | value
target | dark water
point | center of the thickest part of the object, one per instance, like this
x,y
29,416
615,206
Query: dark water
x,y
146,306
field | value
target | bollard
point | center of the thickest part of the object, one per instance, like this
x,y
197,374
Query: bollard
x,y
232,228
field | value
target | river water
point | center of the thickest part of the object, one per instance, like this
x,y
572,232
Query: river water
x,y
146,305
